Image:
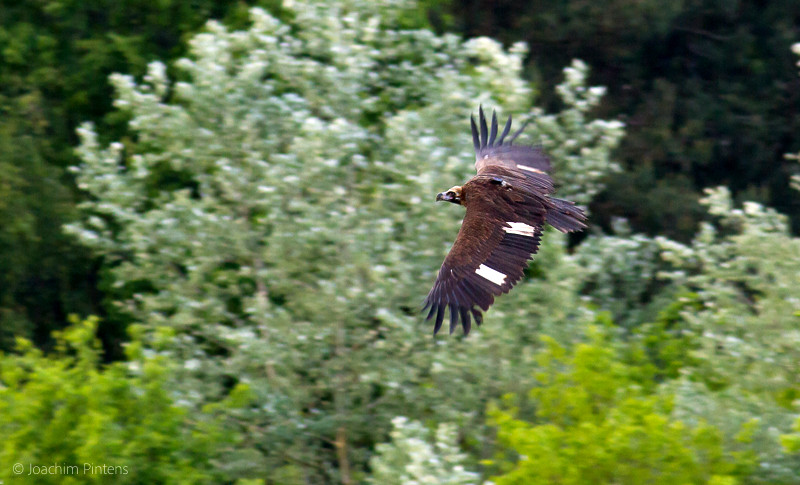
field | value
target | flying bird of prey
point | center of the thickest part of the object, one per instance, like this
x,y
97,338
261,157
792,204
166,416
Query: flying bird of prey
x,y
507,204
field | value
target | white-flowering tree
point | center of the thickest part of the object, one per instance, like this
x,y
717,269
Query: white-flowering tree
x,y
270,224
718,318
746,271
713,324
411,459
730,335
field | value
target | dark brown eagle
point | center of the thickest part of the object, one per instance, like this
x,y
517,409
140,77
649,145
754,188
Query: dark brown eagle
x,y
507,204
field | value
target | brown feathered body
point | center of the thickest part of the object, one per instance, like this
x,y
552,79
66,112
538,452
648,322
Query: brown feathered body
x,y
507,204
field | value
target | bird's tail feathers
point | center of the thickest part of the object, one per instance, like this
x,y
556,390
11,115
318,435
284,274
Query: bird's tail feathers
x,y
565,216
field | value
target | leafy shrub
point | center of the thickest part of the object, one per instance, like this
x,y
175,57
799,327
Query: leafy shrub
x,y
65,409
594,423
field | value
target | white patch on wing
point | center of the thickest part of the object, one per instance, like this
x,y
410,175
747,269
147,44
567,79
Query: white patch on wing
x,y
520,228
529,169
490,274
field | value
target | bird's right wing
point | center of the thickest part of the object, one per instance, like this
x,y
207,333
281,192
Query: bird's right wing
x,y
492,151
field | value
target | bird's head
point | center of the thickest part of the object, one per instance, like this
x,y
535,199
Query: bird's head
x,y
453,194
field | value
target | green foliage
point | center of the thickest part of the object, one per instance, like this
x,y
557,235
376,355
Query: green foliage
x,y
668,344
64,409
620,273
272,223
55,58
795,179
723,338
741,273
56,55
266,221
791,441
580,147
707,88
744,270
595,424
41,269
411,457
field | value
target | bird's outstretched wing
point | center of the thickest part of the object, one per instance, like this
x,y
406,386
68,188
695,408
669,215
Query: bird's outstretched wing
x,y
501,230
492,151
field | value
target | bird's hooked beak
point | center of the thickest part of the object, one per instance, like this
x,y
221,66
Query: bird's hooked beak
x,y
452,195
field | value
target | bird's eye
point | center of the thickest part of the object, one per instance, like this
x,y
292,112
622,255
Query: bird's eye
x,y
450,193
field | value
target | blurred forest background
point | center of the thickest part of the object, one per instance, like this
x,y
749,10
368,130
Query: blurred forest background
x,y
215,236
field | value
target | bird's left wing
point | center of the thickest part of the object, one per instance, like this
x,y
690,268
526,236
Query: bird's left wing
x,y
501,230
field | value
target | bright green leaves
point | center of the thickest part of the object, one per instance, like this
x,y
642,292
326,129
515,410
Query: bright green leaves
x,y
594,423
67,409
